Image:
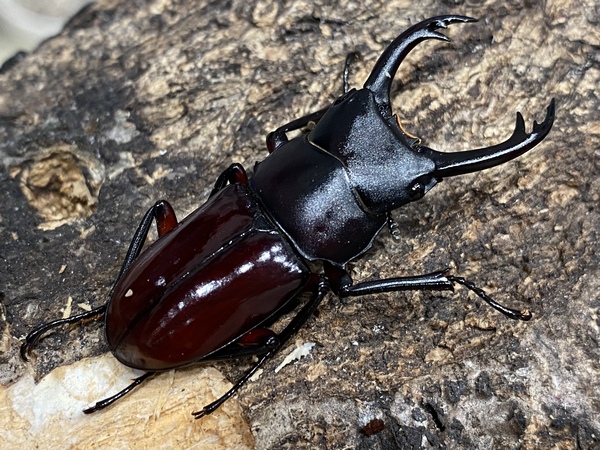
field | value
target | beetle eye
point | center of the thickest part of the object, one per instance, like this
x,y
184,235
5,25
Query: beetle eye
x,y
416,191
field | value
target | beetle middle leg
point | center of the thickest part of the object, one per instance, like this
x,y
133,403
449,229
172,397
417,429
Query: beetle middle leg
x,y
166,220
235,173
343,286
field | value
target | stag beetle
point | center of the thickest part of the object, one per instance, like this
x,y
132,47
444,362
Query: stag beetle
x,y
212,284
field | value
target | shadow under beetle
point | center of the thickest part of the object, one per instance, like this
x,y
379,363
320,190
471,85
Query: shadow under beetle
x,y
209,287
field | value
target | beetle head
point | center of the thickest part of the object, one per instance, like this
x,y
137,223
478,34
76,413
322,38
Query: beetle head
x,y
385,165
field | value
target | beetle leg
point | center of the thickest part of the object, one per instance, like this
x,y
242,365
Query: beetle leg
x,y
165,217
256,337
342,285
166,220
235,173
34,336
239,351
350,58
509,312
110,400
277,138
275,343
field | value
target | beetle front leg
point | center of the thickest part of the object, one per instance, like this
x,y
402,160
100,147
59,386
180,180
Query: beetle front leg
x,y
166,220
343,286
279,137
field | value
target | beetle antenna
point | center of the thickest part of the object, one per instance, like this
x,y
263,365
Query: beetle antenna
x,y
509,312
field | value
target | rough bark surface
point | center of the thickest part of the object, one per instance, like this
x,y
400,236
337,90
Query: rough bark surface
x,y
140,100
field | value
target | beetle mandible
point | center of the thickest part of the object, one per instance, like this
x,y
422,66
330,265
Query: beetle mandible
x,y
212,284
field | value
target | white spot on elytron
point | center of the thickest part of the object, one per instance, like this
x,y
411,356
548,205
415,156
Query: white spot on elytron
x,y
387,74
160,281
129,293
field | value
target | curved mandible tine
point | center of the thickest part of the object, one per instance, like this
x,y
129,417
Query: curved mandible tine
x,y
380,80
459,163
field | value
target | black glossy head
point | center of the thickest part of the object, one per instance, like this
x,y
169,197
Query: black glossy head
x,y
387,167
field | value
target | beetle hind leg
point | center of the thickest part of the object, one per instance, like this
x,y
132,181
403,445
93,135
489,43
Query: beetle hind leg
x,y
35,335
166,220
110,400
273,344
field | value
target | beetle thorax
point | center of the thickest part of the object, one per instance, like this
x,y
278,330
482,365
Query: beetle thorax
x,y
383,164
